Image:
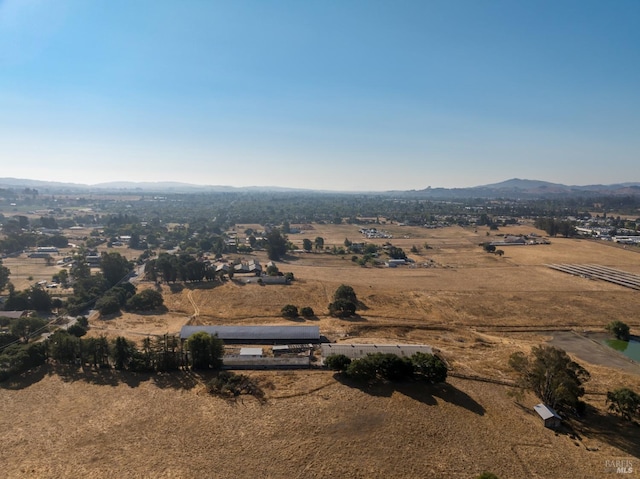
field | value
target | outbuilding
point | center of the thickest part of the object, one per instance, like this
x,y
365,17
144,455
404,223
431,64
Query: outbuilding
x,y
551,418
251,352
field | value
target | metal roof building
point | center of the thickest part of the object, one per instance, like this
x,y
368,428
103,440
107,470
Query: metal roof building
x,y
549,416
256,352
357,351
258,334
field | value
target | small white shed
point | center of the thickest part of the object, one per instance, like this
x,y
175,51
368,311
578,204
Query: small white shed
x,y
551,418
251,352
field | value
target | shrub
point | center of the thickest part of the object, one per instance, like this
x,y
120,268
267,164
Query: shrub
x,y
337,362
230,385
77,330
289,311
619,329
307,312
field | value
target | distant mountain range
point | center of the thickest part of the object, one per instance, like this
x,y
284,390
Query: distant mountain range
x,y
513,188
516,188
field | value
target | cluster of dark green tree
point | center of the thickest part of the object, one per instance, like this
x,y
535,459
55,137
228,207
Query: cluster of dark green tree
x,y
491,248
124,296
318,243
277,244
4,276
184,267
159,354
18,358
345,303
555,227
166,353
552,376
20,329
389,367
111,281
291,311
35,298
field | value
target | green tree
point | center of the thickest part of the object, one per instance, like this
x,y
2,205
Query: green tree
x,y
619,329
488,247
39,299
77,330
289,311
306,244
430,367
625,402
4,276
115,267
63,278
397,253
63,347
146,300
342,308
206,351
337,362
122,352
276,245
26,327
108,304
362,370
345,302
378,366
345,292
319,243
307,312
551,374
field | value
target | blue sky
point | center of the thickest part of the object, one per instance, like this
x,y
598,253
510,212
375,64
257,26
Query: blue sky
x,y
339,95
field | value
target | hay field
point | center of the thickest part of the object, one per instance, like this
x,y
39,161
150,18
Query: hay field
x,y
466,287
26,272
476,308
67,425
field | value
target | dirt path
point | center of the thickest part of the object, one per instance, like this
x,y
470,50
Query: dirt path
x,y
593,352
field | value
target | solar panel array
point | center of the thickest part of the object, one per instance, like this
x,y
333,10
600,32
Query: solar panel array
x,y
594,271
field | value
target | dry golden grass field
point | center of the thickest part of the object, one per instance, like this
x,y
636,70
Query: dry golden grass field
x,y
476,308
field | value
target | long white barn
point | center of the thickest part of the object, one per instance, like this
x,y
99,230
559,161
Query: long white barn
x,y
357,351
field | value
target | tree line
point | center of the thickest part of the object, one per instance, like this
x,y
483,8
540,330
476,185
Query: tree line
x,y
159,354
389,367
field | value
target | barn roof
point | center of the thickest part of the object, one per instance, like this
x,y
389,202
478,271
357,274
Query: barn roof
x,y
250,351
545,412
253,333
355,351
12,314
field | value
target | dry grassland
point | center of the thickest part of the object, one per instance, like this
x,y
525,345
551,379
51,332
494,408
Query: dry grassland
x,y
475,307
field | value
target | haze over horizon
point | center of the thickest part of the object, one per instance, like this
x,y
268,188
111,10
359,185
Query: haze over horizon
x,y
357,95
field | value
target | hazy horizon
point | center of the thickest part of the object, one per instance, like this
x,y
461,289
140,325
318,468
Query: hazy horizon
x,y
350,96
